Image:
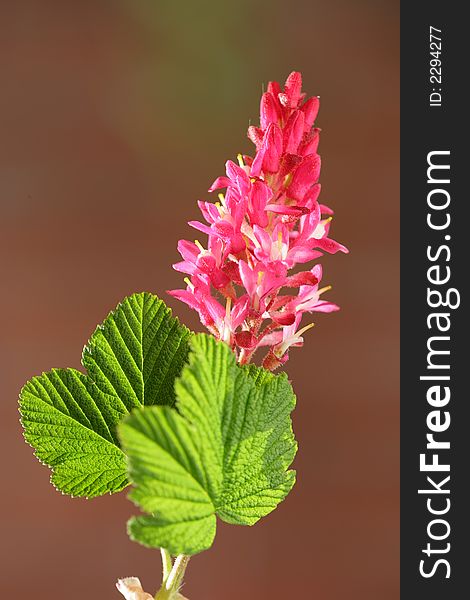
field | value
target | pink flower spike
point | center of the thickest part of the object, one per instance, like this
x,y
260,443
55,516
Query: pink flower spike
x,y
267,222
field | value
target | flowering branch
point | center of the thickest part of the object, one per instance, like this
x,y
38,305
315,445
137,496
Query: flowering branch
x,y
171,412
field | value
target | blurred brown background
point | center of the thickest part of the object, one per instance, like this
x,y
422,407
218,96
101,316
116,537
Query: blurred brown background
x,y
115,116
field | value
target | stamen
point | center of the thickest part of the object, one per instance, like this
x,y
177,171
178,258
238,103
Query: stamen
x,y
226,329
327,288
304,329
287,180
247,231
240,160
199,245
279,241
222,199
228,306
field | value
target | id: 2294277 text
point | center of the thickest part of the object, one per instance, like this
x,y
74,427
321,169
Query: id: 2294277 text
x,y
435,66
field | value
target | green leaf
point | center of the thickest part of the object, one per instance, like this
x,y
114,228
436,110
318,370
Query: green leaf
x,y
225,451
70,418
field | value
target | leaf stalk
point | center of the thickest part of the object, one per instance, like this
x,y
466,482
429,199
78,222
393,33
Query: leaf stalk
x,y
174,578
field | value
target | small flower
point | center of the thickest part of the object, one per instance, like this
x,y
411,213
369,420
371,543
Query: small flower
x,y
266,223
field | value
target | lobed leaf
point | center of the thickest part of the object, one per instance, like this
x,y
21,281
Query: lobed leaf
x,y
225,451
70,418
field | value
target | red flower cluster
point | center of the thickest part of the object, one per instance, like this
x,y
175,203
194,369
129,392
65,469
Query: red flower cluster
x,y
268,221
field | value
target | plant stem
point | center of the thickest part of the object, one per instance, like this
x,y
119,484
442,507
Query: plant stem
x,y
167,564
173,581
